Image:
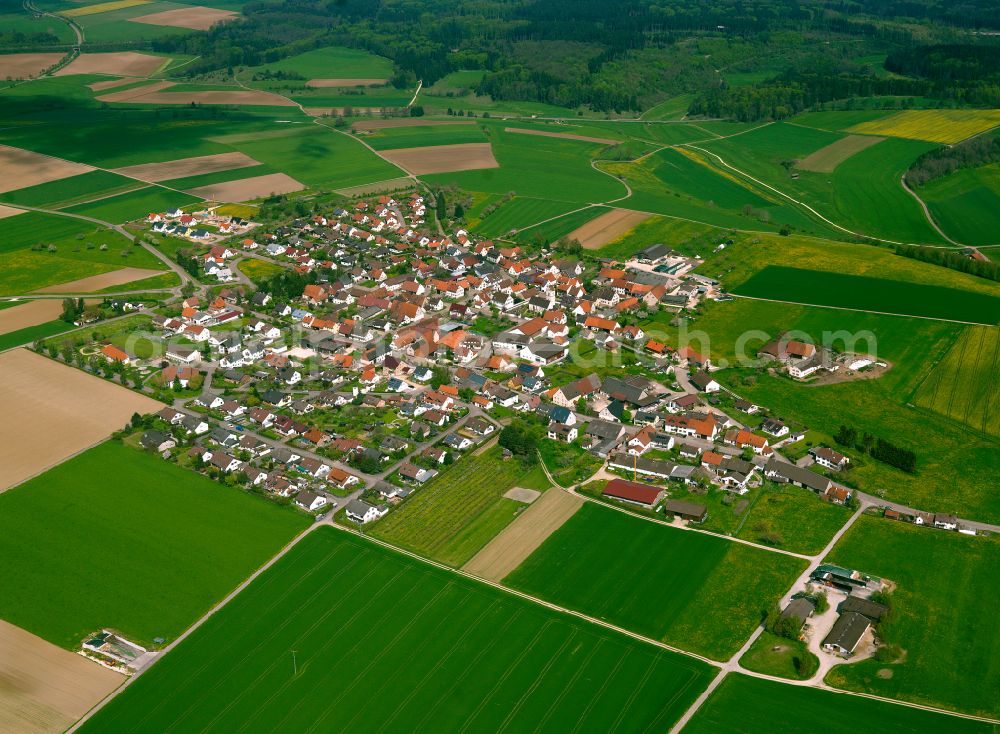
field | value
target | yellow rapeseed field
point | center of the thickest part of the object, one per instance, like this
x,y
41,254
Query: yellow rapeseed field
x,y
936,126
103,7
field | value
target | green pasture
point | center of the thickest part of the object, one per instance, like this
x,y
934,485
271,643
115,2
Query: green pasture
x,y
331,62
691,590
391,138
966,204
948,652
385,642
150,575
68,191
522,212
741,704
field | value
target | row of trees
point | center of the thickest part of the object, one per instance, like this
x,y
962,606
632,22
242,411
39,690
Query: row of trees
x,y
940,162
951,259
878,448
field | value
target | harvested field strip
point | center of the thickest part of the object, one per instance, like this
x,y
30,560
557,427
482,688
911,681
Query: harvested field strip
x,y
183,167
247,189
841,290
112,83
965,385
564,136
284,132
44,393
606,228
826,160
103,7
43,688
29,313
443,158
9,211
119,63
405,122
195,18
100,282
22,168
25,66
418,649
264,99
523,536
323,83
128,94
936,126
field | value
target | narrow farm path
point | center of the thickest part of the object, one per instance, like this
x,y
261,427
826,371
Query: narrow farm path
x,y
927,212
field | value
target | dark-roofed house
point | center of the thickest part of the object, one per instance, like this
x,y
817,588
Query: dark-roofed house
x,y
690,511
873,610
782,471
847,633
634,493
798,609
157,441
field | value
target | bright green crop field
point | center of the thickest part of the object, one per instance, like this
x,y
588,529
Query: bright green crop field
x,y
331,62
122,539
692,590
133,205
31,333
842,290
966,204
950,647
383,642
520,212
458,512
742,704
418,136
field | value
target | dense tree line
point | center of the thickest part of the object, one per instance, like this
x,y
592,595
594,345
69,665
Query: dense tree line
x,y
878,448
951,259
940,162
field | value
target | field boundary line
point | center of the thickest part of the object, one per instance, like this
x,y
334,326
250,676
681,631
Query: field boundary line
x,y
864,310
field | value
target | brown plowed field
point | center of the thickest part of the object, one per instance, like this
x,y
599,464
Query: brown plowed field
x,y
184,167
443,158
523,536
608,227
55,411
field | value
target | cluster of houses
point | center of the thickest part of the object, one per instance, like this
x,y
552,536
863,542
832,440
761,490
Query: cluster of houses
x,y
198,227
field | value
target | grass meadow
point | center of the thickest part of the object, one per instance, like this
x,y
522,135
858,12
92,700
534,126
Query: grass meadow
x,y
121,539
522,211
950,646
741,704
691,590
72,190
418,136
331,62
843,290
966,204
455,514
383,642
133,205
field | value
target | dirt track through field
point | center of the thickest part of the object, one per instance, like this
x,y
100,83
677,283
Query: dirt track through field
x,y
43,688
195,18
102,281
184,167
25,66
827,158
324,83
564,136
608,227
29,313
523,536
54,411
443,158
22,168
246,189
119,63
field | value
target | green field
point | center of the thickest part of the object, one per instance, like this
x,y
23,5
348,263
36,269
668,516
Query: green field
x,y
320,157
537,166
692,590
383,642
161,545
133,205
455,514
743,704
31,333
842,290
418,136
67,191
950,647
863,193
332,62
32,228
773,655
965,385
561,226
966,204
521,212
